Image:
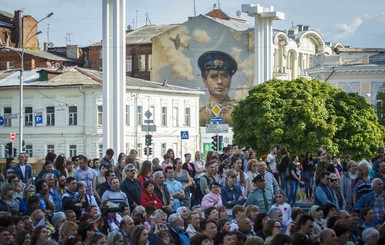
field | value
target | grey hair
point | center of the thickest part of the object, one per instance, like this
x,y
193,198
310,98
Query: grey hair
x,y
138,210
374,182
157,174
159,213
113,236
368,233
173,217
274,211
57,217
180,210
364,163
48,175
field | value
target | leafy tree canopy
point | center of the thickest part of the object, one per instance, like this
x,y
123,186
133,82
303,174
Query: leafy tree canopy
x,y
304,115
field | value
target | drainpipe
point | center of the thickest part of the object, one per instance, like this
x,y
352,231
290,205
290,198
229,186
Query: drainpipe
x,y
334,70
84,121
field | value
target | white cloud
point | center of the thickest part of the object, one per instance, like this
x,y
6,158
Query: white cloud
x,y
345,30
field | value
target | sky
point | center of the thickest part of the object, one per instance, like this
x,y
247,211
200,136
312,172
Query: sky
x,y
354,23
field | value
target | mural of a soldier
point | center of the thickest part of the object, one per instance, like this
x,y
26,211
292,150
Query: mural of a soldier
x,y
217,69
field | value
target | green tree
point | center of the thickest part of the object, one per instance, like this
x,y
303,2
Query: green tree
x,y
304,115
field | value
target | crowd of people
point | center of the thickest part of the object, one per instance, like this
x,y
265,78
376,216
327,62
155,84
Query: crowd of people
x,y
231,198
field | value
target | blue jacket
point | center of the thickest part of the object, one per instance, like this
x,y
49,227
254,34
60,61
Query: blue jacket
x,y
231,195
367,201
28,173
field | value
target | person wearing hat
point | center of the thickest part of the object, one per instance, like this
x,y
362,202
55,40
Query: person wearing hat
x,y
131,186
217,69
319,222
260,196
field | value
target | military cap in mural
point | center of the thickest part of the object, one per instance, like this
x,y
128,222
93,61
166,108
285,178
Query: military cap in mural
x,y
217,60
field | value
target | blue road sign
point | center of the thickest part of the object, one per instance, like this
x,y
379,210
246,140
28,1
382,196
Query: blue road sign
x,y
38,120
184,135
2,121
216,119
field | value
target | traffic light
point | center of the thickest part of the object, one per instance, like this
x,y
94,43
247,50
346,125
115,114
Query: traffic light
x,y
220,143
8,150
148,139
214,146
147,151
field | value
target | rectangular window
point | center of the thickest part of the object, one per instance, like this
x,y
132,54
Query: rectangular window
x,y
187,117
28,116
72,151
139,150
100,116
139,115
127,115
11,64
50,116
51,148
100,151
7,117
73,115
142,62
164,116
175,120
149,62
29,150
152,110
129,64
163,149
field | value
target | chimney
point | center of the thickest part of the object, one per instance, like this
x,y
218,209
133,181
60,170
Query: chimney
x,y
18,23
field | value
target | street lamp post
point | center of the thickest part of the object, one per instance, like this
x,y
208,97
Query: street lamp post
x,y
21,114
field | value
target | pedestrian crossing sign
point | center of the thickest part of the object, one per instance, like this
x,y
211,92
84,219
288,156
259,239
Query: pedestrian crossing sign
x,y
184,135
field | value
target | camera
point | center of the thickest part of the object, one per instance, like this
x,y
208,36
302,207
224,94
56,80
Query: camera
x,y
106,209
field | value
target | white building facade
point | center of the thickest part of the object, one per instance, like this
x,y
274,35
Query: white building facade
x,y
70,105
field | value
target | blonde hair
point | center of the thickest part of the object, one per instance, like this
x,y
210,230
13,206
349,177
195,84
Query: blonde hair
x,y
66,229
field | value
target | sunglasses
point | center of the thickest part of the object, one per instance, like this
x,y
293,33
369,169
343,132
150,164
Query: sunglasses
x,y
233,177
278,196
333,180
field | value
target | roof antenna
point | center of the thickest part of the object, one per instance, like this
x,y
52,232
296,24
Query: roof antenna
x,y
219,4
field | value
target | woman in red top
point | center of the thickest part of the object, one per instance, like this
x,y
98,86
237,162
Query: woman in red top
x,y
149,198
145,173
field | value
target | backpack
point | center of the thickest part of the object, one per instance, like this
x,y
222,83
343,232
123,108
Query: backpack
x,y
197,195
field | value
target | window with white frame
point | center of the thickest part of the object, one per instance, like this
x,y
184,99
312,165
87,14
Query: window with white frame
x,y
28,116
72,151
100,116
164,116
127,115
149,62
187,117
139,149
163,149
100,151
175,120
50,110
29,150
51,148
139,115
142,62
73,115
152,110
7,113
129,64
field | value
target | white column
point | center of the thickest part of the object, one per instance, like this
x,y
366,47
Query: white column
x,y
263,61
114,75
